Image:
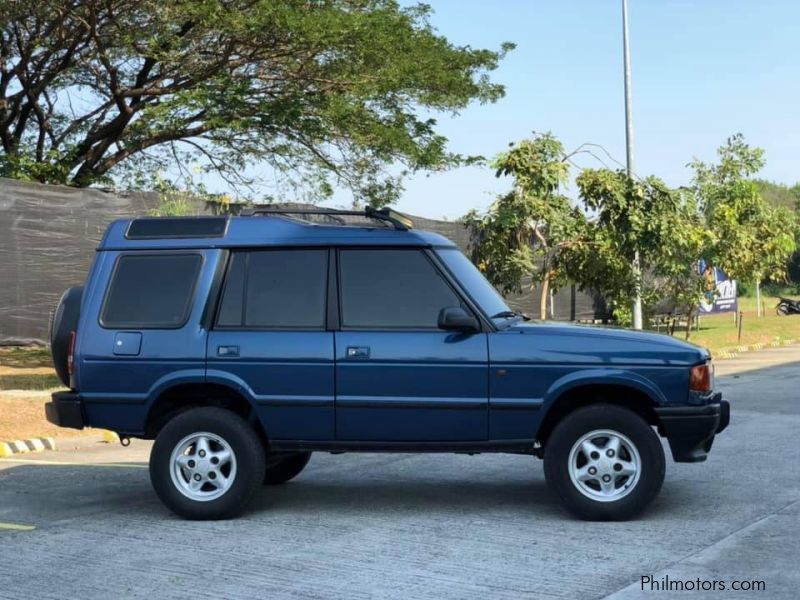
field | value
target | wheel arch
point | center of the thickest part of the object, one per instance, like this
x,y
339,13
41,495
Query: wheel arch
x,y
619,391
184,396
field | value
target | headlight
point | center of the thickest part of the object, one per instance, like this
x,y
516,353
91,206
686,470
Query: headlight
x,y
701,378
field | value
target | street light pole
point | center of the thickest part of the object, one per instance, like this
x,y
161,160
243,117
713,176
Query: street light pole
x,y
637,301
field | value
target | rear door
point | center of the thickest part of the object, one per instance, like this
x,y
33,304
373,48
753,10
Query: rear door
x,y
270,339
399,377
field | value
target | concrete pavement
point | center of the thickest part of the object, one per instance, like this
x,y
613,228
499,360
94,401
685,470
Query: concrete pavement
x,y
418,526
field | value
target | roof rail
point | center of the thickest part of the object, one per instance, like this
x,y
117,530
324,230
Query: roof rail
x,y
397,220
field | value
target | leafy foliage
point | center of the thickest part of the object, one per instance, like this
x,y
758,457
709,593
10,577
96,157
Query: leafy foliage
x,y
779,194
525,231
752,240
189,199
661,223
324,92
533,230
788,197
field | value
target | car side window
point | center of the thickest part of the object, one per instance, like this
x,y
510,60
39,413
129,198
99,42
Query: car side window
x,y
150,291
275,289
393,289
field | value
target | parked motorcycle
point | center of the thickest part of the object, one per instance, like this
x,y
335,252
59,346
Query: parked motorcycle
x,y
787,306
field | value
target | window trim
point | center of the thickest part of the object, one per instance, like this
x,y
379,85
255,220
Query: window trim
x,y
187,309
247,252
446,278
215,292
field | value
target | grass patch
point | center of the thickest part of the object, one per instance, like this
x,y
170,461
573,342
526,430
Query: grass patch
x,y
719,332
25,357
26,381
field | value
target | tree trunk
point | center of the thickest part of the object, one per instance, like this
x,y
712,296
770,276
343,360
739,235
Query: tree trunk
x,y
758,297
544,296
689,324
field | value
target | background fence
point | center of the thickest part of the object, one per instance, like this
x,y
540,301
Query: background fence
x,y
48,235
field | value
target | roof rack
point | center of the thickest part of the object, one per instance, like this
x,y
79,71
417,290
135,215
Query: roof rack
x,y
397,220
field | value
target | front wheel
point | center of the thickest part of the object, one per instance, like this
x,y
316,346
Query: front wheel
x,y
604,462
206,463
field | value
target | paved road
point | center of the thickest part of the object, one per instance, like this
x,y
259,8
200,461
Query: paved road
x,y
412,526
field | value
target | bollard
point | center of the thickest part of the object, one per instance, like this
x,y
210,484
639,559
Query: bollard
x,y
739,339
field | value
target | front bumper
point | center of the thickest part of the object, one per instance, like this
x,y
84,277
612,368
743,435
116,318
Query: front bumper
x,y
65,410
690,430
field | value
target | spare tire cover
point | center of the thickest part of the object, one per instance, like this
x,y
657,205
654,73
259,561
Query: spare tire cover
x,y
64,321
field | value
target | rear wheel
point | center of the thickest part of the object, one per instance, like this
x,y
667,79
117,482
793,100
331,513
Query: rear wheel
x,y
283,467
782,310
206,463
604,462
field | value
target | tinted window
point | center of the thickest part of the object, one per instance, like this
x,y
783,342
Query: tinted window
x,y
276,289
151,290
167,227
473,282
392,288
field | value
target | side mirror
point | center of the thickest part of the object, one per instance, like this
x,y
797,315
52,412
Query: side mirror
x,y
455,318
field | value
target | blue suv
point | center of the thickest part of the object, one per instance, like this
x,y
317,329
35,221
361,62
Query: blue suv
x,y
243,344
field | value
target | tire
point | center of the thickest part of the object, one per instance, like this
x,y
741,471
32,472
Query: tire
x,y
781,310
63,322
226,486
628,490
281,469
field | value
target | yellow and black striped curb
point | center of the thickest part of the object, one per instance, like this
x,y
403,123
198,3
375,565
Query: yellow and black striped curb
x,y
37,444
109,437
734,352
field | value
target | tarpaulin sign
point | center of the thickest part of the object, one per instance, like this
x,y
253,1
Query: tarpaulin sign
x,y
720,291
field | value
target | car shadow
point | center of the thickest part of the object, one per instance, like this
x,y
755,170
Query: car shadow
x,y
406,496
32,493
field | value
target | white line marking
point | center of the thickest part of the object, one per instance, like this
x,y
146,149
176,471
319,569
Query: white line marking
x,y
17,527
33,461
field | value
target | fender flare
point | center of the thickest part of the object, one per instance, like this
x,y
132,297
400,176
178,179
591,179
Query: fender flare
x,y
588,377
197,377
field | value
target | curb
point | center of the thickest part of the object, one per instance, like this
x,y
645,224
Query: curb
x,y
734,352
109,437
29,445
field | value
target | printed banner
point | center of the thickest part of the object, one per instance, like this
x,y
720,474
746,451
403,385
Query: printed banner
x,y
720,293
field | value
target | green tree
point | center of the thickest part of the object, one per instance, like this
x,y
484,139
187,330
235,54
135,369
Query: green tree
x,y
326,93
753,240
779,194
788,197
630,214
526,231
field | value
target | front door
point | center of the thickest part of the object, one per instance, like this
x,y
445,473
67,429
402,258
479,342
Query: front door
x,y
399,377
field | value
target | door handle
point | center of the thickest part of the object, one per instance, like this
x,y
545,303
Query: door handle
x,y
357,352
228,351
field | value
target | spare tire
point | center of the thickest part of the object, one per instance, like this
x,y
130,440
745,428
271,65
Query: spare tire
x,y
63,322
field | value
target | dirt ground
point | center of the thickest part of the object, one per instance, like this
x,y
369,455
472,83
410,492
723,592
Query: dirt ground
x,y
22,416
26,381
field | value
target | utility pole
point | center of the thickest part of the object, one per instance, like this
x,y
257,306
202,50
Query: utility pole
x,y
637,301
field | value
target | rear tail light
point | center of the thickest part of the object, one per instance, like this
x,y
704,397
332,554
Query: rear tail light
x,y
71,353
701,378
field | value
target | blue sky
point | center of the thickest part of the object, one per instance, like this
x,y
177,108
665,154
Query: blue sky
x,y
702,70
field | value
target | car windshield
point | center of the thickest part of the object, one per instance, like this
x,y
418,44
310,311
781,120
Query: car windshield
x,y
481,291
